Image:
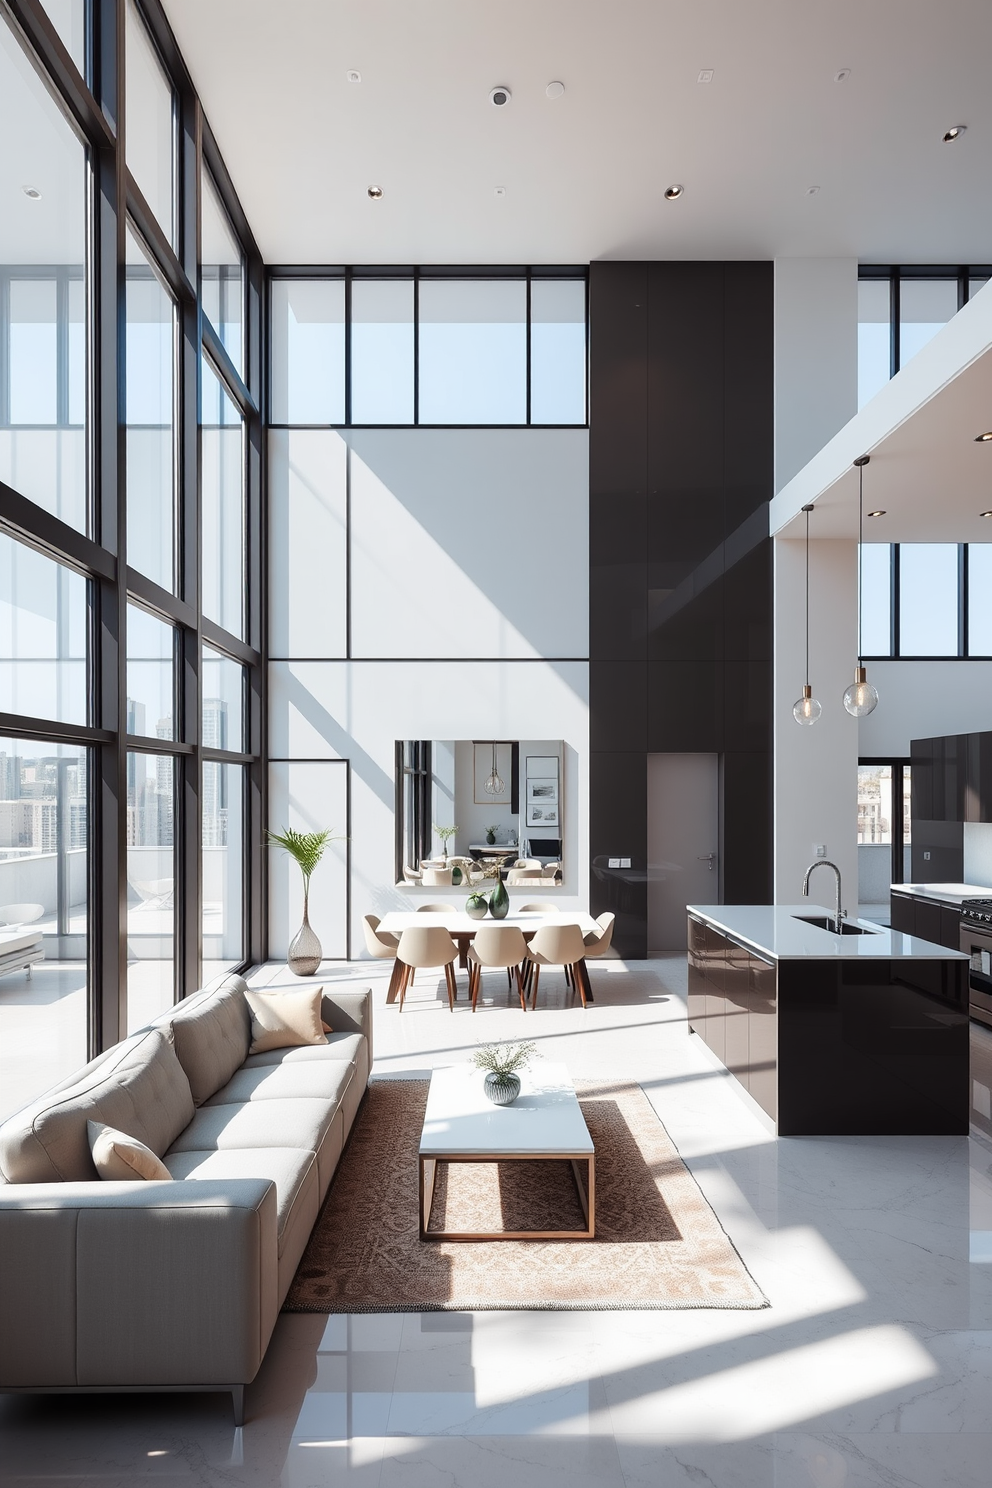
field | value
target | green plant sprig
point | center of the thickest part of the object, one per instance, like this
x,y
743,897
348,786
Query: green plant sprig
x,y
445,832
503,1059
305,848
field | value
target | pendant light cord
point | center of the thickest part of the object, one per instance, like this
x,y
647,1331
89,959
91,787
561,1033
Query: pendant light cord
x,y
861,547
807,596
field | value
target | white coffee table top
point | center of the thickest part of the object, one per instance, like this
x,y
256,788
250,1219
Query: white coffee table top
x,y
544,1118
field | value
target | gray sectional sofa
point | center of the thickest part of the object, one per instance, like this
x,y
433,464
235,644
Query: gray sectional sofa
x,y
172,1285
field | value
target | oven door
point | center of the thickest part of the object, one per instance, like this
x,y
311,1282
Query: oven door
x,y
976,942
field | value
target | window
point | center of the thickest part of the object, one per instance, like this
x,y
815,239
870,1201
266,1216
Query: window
x,y
900,309
874,352
884,838
222,274
43,256
150,124
150,356
223,843
944,599
223,516
151,682
366,346
69,19
413,803
308,351
928,599
151,882
925,306
473,351
44,629
980,599
876,599
223,708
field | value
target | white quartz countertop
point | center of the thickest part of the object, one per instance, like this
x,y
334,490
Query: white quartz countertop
x,y
773,931
943,893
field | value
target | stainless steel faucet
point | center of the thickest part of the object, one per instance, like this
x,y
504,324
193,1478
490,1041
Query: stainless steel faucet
x,y
839,914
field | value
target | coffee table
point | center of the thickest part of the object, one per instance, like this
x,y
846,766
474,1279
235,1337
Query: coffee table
x,y
544,1124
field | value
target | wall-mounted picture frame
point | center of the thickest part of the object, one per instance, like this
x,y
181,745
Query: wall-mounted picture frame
x,y
542,814
543,790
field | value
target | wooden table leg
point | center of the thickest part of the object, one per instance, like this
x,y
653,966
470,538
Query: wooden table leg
x,y
582,981
392,991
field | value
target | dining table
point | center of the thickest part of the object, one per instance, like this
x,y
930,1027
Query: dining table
x,y
462,928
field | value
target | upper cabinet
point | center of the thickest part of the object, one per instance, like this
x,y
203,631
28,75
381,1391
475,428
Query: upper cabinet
x,y
952,778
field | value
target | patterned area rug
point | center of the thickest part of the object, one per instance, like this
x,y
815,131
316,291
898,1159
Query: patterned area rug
x,y
658,1243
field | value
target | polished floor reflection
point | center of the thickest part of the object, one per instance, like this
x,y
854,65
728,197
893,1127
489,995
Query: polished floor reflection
x,y
871,1367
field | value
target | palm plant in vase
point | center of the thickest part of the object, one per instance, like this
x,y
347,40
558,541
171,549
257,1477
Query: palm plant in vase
x,y
501,1062
306,849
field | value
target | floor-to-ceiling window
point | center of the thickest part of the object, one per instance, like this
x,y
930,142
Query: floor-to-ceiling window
x,y
901,308
131,681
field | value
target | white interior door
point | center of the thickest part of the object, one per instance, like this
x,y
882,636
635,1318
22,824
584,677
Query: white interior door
x,y
683,837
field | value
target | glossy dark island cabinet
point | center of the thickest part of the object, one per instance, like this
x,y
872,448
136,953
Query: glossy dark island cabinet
x,y
836,1047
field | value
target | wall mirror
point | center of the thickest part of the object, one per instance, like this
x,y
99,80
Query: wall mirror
x,y
465,805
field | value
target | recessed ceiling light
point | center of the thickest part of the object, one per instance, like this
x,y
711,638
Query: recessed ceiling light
x,y
955,132
812,190
843,75
500,97
32,192
375,192
983,438
672,193
500,191
880,512
706,76
985,514
353,76
554,90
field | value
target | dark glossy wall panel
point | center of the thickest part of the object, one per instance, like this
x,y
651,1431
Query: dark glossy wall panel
x,y
746,814
685,707
618,828
937,852
619,719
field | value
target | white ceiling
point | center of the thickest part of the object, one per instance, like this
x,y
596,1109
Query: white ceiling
x,y
584,174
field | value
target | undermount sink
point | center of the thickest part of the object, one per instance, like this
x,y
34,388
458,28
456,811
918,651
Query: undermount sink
x,y
826,922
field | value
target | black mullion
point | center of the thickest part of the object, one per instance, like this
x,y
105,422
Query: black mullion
x,y
347,347
22,725
962,599
160,252
527,416
898,842
226,370
962,286
177,609
895,311
416,347
58,71
894,600
144,744
32,525
223,641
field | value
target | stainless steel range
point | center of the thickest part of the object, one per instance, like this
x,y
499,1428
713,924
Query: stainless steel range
x,y
976,942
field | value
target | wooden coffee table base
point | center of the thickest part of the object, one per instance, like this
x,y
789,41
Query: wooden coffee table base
x,y
587,1195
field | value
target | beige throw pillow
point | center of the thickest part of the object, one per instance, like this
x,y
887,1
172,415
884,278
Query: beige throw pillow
x,y
284,1020
123,1158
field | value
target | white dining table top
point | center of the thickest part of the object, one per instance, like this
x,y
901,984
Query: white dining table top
x,y
460,923
545,1118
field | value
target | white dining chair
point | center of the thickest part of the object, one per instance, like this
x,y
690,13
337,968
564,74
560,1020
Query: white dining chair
x,y
427,946
497,945
557,945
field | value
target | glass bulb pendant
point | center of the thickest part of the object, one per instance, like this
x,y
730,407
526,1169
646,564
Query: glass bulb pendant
x,y
807,710
860,698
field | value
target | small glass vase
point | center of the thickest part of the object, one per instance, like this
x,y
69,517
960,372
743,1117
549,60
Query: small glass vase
x,y
499,901
304,948
502,1090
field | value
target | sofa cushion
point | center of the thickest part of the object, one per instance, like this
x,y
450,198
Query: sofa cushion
x,y
339,1046
139,1087
325,1080
212,1032
122,1159
282,1020
292,1170
299,1122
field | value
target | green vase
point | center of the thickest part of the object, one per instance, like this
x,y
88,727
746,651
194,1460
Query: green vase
x,y
499,901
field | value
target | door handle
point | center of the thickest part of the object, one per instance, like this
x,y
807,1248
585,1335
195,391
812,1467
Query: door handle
x,y
707,858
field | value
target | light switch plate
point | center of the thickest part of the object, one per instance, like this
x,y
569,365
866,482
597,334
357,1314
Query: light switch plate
x,y
926,857
613,863
624,862
819,849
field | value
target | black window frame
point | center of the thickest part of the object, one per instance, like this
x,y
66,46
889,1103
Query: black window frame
x,y
899,764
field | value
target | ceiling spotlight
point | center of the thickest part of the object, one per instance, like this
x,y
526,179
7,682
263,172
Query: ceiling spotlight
x,y
843,75
554,90
32,192
880,512
706,76
353,76
985,514
375,192
500,97
672,193
812,190
500,191
983,438
955,132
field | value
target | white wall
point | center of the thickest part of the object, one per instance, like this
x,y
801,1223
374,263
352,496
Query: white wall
x,y
815,781
468,567
924,699
816,356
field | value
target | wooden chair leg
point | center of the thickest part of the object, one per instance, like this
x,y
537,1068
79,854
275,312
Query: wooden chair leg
x,y
404,978
520,989
533,985
474,980
568,976
449,976
581,974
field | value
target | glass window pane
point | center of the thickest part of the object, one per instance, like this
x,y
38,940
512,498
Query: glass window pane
x,y
382,351
876,599
473,351
928,599
308,351
223,866
149,122
924,306
222,274
874,804
43,891
873,337
151,687
557,351
43,636
42,264
980,599
974,285
222,687
69,19
223,511
151,331
151,881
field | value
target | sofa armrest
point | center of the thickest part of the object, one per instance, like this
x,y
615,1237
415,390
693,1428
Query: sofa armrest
x,y
349,1012
120,1284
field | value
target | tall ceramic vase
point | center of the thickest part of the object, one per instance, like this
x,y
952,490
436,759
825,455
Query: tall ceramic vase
x,y
304,948
499,901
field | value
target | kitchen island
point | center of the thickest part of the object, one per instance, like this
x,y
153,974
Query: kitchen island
x,y
865,1032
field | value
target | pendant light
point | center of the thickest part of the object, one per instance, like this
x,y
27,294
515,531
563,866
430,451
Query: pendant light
x,y
494,784
807,710
860,698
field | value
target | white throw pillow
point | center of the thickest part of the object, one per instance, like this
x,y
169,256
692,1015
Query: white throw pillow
x,y
122,1158
285,1020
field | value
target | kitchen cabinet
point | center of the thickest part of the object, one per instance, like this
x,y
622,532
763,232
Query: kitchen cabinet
x,y
952,778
